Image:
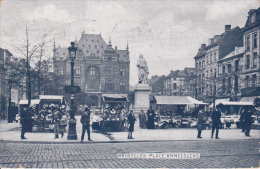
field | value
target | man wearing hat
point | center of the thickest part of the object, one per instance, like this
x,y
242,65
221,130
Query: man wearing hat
x,y
216,122
85,119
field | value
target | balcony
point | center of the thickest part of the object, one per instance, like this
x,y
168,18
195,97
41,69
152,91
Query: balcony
x,y
250,91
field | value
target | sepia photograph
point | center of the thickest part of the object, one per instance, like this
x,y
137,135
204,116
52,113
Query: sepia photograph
x,y
129,84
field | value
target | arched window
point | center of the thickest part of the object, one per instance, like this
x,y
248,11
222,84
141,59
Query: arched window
x,y
122,85
92,71
122,72
109,85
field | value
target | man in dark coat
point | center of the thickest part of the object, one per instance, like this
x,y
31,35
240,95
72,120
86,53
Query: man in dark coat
x,y
24,120
150,115
242,120
215,116
247,120
200,123
85,120
131,121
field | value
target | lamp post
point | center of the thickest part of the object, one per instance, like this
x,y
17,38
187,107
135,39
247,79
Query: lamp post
x,y
72,89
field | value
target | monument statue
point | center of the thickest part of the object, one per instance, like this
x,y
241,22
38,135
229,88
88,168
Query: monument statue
x,y
143,70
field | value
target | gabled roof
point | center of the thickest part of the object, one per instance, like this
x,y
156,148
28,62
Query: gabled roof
x,y
92,44
189,70
123,55
237,51
176,73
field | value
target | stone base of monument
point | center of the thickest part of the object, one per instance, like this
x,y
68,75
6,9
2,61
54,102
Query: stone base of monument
x,y
142,102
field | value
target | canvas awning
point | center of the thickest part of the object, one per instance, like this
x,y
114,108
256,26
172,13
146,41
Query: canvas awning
x,y
33,102
51,98
226,102
114,97
177,100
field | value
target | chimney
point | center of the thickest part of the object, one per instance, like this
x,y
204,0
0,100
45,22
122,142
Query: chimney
x,y
82,33
115,47
227,28
211,41
203,46
216,38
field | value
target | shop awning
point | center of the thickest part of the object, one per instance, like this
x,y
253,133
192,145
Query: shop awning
x,y
114,97
177,100
33,102
226,102
51,98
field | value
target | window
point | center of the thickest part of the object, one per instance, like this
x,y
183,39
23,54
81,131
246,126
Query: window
x,y
174,86
236,83
210,58
207,59
109,70
229,84
122,72
254,59
122,85
92,71
203,78
215,56
95,46
77,70
207,74
223,85
109,58
199,78
60,71
101,46
229,68
223,69
255,40
87,51
97,51
199,65
211,73
89,45
237,65
253,80
203,64
215,72
247,81
248,61
109,85
248,43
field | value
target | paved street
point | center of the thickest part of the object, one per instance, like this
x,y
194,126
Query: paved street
x,y
214,153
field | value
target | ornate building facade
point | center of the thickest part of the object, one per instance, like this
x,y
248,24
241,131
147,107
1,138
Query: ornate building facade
x,y
251,66
99,68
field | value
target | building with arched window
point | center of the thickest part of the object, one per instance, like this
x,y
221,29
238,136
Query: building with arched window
x,y
99,68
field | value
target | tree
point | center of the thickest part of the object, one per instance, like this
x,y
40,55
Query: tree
x,y
21,69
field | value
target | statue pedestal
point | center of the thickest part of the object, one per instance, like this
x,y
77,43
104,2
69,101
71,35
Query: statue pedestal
x,y
142,102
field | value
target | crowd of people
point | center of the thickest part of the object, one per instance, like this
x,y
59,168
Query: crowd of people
x,y
30,117
147,119
245,120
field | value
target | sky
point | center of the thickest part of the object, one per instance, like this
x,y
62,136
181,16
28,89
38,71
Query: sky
x,y
167,33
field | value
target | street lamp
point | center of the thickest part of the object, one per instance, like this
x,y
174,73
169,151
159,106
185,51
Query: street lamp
x,y
72,89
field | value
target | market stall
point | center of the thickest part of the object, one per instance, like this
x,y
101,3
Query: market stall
x,y
34,110
174,111
113,112
47,105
